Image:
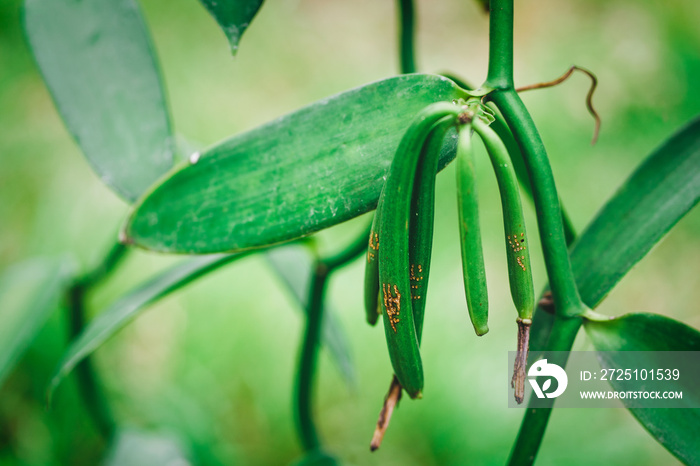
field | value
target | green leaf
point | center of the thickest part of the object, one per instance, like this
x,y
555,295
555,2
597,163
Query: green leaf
x,y
658,194
29,292
642,332
97,60
303,172
129,306
654,198
676,429
137,448
125,309
294,266
234,16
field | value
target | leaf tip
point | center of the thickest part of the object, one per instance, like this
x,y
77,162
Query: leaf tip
x,y
124,237
233,43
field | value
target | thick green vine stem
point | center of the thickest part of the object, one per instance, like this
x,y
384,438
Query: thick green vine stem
x,y
407,28
89,386
567,303
87,381
565,294
325,267
351,252
500,77
535,421
500,74
322,271
106,266
307,361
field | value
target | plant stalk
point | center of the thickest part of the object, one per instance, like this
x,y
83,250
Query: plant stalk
x,y
407,29
88,383
354,250
325,267
500,73
106,266
323,270
89,386
567,301
535,420
309,356
544,192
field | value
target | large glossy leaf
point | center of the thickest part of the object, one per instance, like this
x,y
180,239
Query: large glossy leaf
x,y
29,292
303,172
658,194
294,265
234,16
125,309
676,429
97,60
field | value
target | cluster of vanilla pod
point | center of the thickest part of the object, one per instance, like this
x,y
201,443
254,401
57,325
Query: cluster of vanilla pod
x,y
400,242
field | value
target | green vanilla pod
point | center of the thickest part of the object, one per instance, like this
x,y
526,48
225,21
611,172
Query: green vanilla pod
x,y
421,224
420,249
372,308
473,268
399,328
519,269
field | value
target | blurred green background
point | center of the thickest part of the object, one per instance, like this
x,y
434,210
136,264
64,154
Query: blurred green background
x,y
213,366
